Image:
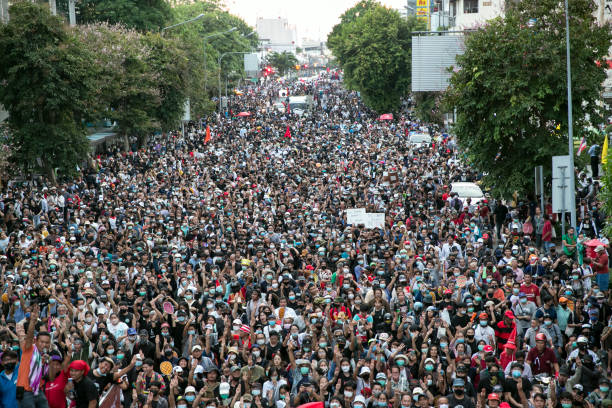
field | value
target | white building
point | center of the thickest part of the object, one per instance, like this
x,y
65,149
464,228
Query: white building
x,y
276,34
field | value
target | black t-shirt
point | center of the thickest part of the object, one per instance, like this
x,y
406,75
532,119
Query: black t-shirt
x,y
510,386
85,391
100,381
465,402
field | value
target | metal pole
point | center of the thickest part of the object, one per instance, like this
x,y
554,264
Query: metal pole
x,y
205,68
542,189
572,182
4,12
71,13
219,66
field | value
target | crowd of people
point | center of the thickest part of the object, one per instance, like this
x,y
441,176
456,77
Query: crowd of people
x,y
223,273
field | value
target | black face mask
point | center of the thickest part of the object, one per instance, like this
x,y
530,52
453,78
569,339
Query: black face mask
x,y
10,366
459,392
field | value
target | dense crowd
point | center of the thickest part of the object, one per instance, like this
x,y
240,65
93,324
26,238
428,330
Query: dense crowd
x,y
194,273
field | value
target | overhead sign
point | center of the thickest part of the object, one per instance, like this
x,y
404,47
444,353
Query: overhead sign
x,y
251,65
432,56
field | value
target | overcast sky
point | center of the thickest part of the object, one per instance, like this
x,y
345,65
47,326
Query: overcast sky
x,y
313,18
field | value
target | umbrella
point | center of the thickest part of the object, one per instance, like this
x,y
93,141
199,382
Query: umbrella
x,y
594,243
244,114
386,116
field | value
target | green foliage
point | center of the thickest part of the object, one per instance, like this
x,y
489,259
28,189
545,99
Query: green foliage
x,y
142,15
170,62
46,79
509,89
283,61
373,45
192,36
428,107
127,81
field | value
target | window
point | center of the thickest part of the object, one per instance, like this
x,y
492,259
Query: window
x,y
470,6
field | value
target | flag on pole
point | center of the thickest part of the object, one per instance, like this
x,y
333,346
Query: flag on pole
x,y
604,151
582,146
288,132
207,137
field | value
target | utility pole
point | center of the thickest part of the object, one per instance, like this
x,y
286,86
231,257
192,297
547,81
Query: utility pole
x,y
53,7
570,127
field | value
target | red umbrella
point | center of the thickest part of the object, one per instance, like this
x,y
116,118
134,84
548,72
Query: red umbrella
x,y
244,114
594,243
386,116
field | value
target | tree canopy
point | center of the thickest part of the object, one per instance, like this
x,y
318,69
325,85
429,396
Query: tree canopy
x,y
282,61
46,89
373,45
510,94
141,15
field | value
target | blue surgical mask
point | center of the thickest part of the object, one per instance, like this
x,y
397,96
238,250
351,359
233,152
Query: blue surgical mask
x,y
189,398
516,373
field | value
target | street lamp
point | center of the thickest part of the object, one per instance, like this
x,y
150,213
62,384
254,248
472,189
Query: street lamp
x,y
219,64
570,127
204,45
199,16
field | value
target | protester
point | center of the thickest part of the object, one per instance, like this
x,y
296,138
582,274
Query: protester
x,y
224,272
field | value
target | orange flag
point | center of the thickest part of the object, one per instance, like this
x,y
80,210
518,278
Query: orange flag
x,y
207,137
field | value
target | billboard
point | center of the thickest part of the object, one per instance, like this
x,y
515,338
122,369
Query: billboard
x,y
423,11
432,56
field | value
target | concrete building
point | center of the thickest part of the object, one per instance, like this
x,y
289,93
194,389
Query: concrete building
x,y
276,34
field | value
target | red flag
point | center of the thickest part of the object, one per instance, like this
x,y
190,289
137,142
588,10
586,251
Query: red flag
x,y
312,405
207,137
288,132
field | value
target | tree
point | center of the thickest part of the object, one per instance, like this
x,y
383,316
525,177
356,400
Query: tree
x,y
141,15
128,85
46,81
283,61
373,45
215,20
170,63
427,107
509,88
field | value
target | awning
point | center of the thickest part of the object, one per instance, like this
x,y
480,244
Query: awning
x,y
98,138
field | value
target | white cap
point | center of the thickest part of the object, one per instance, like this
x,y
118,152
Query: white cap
x,y
189,389
359,399
364,370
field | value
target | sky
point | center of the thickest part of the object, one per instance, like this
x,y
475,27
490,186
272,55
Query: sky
x,y
314,19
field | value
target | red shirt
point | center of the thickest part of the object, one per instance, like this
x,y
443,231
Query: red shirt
x,y
542,362
532,291
601,259
54,391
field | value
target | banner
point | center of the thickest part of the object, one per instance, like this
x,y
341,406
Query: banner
x,y
355,216
112,398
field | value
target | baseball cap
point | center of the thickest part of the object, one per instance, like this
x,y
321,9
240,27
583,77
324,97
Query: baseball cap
x,y
189,389
458,382
494,396
132,331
